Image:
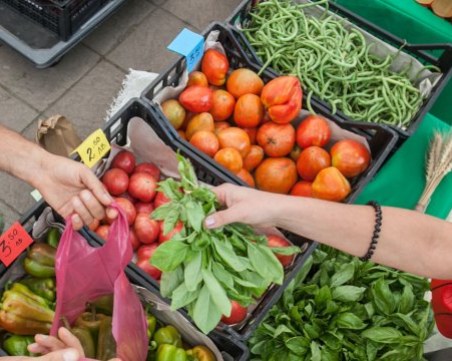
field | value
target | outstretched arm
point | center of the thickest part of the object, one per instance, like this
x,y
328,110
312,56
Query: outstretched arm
x,y
409,241
69,187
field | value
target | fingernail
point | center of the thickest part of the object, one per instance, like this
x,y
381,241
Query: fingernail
x,y
70,355
42,337
32,346
210,222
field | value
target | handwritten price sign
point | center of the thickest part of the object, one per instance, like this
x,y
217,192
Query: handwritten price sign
x,y
13,242
93,148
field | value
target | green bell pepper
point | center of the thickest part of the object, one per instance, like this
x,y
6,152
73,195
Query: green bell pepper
x,y
53,237
171,353
18,345
152,324
168,335
86,340
44,287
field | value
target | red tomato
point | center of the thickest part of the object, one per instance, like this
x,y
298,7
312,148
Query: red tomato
x,y
302,189
146,251
150,168
129,197
146,229
124,160
238,314
94,224
311,161
102,231
160,199
350,157
116,181
146,266
197,99
142,186
313,130
133,239
142,207
128,208
166,237
278,242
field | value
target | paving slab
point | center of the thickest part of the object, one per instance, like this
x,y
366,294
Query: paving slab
x,y
14,113
145,48
201,13
87,102
10,215
115,29
40,88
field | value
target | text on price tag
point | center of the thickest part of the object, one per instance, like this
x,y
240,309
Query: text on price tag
x,y
190,45
13,242
93,148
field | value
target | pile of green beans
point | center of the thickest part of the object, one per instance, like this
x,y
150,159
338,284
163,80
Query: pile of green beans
x,y
332,62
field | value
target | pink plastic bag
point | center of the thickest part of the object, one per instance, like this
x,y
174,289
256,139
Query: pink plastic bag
x,y
84,273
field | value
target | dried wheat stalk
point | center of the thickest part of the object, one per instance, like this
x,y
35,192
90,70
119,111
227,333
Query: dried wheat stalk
x,y
438,165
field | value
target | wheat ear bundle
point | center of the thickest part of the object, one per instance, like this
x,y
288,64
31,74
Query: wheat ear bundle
x,y
438,165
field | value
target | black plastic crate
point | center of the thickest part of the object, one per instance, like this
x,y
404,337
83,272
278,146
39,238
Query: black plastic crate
x,y
422,52
207,172
231,349
382,140
61,17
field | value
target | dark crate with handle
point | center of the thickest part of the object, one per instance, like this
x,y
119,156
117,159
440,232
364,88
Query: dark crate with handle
x,y
61,17
421,52
231,349
207,172
381,138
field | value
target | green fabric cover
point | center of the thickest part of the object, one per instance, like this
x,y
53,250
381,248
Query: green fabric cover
x,y
401,180
413,22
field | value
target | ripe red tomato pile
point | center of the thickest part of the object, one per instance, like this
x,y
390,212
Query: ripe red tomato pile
x,y
246,126
134,187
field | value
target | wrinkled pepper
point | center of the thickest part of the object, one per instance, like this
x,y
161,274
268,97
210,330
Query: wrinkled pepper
x,y
53,237
282,98
168,335
106,344
103,304
86,340
44,287
168,352
17,345
201,353
152,324
40,261
22,326
91,322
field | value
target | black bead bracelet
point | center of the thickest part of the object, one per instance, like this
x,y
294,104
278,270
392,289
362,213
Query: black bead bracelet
x,y
376,234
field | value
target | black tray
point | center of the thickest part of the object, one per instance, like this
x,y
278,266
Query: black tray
x,y
382,140
230,348
207,172
422,52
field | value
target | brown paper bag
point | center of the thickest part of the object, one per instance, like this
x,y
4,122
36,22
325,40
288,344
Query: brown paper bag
x,y
57,135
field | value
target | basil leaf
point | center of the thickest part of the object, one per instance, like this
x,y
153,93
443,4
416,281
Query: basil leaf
x,y
169,255
409,324
349,321
344,275
407,300
192,272
286,251
195,215
206,314
222,275
378,334
383,298
323,296
170,220
298,345
181,297
217,292
170,281
162,212
348,293
227,254
170,188
265,263
316,354
281,329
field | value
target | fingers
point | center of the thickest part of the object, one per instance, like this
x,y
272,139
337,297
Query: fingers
x,y
82,214
70,340
92,204
49,342
222,192
68,354
95,186
222,218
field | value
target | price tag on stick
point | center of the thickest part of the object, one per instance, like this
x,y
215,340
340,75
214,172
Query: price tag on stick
x,y
13,242
93,148
190,45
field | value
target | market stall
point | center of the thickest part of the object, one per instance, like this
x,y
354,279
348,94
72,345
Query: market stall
x,y
264,101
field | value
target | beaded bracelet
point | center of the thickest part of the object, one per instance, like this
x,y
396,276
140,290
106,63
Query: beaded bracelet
x,y
376,234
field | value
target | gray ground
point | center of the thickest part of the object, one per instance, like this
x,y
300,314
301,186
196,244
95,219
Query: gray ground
x,y
86,80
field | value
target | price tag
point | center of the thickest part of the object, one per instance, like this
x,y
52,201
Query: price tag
x,y
13,242
190,45
93,148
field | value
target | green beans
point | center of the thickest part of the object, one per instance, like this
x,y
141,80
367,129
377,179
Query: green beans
x,y
333,63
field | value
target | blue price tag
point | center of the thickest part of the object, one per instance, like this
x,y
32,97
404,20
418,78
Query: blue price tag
x,y
190,45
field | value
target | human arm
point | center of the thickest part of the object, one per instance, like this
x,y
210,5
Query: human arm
x,y
69,187
408,241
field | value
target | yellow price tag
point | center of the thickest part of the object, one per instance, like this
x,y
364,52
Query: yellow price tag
x,y
93,148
